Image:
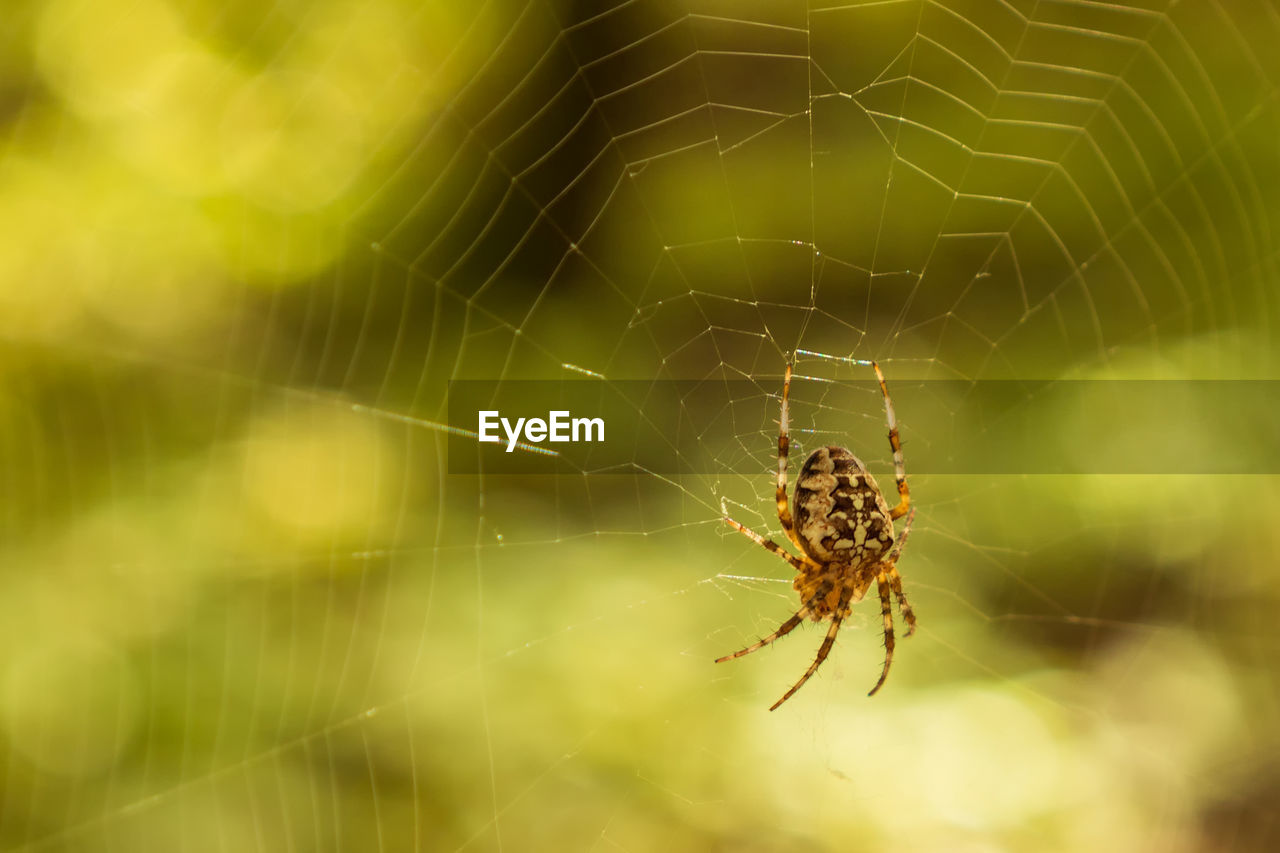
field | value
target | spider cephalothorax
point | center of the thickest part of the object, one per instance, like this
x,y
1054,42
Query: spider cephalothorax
x,y
844,528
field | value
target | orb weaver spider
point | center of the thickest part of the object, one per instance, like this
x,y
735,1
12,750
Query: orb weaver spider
x,y
844,530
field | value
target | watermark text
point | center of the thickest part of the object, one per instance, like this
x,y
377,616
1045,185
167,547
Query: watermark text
x,y
558,427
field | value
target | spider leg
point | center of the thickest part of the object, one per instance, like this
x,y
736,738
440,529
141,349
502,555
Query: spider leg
x,y
823,651
886,610
783,629
899,467
895,579
784,447
908,615
768,544
896,551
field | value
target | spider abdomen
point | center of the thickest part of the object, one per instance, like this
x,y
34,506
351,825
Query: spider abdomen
x,y
840,515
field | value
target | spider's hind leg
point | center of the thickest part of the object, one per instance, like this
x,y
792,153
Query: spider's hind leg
x,y
783,629
886,611
895,584
841,608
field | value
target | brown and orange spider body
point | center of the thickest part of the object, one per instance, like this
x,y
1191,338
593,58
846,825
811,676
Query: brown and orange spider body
x,y
844,530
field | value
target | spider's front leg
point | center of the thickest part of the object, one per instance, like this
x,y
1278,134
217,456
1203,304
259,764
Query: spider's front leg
x,y
895,444
784,449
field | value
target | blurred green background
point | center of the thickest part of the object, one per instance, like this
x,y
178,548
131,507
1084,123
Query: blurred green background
x,y
244,605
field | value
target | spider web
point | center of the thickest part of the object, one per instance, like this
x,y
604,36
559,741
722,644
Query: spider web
x,y
247,606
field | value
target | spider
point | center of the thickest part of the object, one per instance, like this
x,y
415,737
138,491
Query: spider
x,y
844,530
